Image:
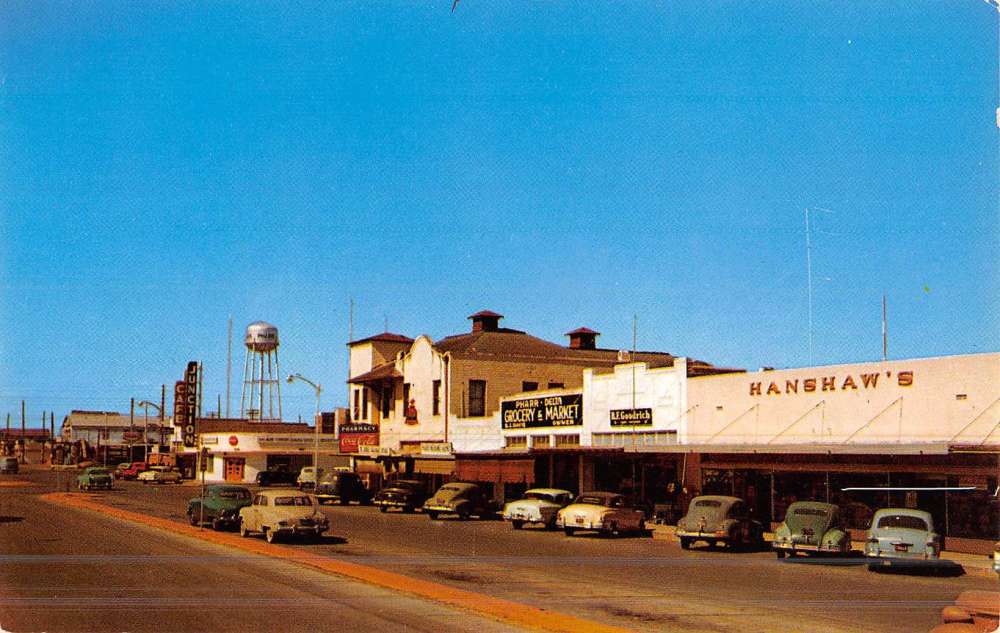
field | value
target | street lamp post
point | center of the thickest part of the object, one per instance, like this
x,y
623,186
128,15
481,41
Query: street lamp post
x,y
145,404
292,378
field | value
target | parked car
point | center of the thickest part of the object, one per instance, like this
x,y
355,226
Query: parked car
x,y
974,611
898,534
277,513
719,519
605,512
342,487
94,477
220,506
8,466
120,469
307,477
132,472
996,557
811,527
538,505
405,494
277,476
459,498
160,475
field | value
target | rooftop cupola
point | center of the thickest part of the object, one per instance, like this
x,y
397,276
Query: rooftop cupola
x,y
583,338
485,321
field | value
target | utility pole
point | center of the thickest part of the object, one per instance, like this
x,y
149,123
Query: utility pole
x,y
163,402
809,275
229,366
885,332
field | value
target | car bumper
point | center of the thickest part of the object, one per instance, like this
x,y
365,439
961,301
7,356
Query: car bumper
x,y
698,534
301,529
440,509
393,503
523,516
580,525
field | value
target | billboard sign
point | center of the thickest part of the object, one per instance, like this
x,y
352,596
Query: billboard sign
x,y
186,404
631,417
353,435
542,412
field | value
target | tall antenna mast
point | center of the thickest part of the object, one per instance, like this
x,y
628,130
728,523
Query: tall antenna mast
x,y
229,364
885,332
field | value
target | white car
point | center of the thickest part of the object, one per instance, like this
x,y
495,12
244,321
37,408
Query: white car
x,y
277,513
307,477
539,505
607,513
160,475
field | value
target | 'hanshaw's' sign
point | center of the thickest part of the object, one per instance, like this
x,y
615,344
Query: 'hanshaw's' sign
x,y
631,417
533,413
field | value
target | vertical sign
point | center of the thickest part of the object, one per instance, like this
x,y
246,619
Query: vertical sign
x,y
186,404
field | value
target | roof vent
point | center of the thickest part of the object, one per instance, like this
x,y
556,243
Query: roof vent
x,y
485,321
583,338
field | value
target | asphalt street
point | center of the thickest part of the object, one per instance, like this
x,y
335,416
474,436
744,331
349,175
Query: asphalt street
x,y
67,570
637,583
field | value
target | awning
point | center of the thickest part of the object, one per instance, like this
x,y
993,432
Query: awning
x,y
386,371
368,467
929,448
502,470
434,466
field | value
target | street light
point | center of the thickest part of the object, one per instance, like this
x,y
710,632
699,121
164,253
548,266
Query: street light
x,y
145,404
292,378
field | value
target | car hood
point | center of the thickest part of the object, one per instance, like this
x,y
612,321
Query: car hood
x,y
586,509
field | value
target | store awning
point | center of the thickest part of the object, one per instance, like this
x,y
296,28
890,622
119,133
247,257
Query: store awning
x,y
368,467
929,448
428,466
386,371
503,470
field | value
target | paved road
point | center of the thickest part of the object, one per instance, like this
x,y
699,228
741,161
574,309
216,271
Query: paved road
x,y
634,582
66,570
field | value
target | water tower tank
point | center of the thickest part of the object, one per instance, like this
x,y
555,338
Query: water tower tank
x,y
261,337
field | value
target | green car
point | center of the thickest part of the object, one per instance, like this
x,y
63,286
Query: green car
x,y
94,477
221,505
811,527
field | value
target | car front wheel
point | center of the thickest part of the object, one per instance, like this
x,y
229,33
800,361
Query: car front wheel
x,y
192,517
270,535
685,543
780,553
244,531
383,509
517,525
568,531
433,515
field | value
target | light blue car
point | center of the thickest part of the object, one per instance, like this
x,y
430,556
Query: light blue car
x,y
901,535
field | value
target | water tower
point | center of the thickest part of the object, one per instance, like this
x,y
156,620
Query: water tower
x,y
261,374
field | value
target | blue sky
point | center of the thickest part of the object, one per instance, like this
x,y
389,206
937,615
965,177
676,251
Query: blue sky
x,y
166,165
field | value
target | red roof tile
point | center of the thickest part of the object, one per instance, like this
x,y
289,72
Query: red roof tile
x,y
386,337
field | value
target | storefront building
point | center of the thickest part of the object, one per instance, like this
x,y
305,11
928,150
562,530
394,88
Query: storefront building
x,y
417,392
864,436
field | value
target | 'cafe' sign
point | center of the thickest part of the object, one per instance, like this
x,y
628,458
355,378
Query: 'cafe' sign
x,y
870,380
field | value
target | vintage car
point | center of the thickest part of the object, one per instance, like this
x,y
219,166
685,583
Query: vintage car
x,y
996,557
120,469
607,513
307,477
160,475
276,476
342,487
405,494
463,499
132,472
94,477
719,519
974,611
277,513
901,534
811,527
220,506
8,466
538,505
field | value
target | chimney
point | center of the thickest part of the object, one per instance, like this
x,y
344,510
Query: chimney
x,y
583,338
485,321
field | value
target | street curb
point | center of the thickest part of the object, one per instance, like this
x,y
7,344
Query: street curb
x,y
515,613
972,568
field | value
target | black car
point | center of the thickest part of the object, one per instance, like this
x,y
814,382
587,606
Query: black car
x,y
405,494
276,476
343,487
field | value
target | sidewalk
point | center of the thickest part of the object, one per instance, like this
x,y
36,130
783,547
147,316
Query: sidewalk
x,y
973,564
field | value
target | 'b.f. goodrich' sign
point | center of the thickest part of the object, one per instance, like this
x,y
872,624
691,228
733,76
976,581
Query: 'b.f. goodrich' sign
x,y
545,411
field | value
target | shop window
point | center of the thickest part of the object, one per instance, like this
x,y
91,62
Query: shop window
x,y
386,400
357,404
541,441
406,395
436,402
516,441
567,440
364,403
477,398
556,385
529,386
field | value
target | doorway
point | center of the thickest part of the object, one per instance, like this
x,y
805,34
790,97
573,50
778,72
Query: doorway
x,y
234,469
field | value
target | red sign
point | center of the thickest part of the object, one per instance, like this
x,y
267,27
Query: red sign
x,y
349,442
233,440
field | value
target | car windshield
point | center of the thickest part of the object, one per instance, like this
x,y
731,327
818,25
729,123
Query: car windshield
x,y
905,521
99,471
707,503
594,500
541,496
234,493
404,485
452,488
292,501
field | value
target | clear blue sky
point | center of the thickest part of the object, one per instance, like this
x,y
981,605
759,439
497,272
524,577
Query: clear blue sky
x,y
166,165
